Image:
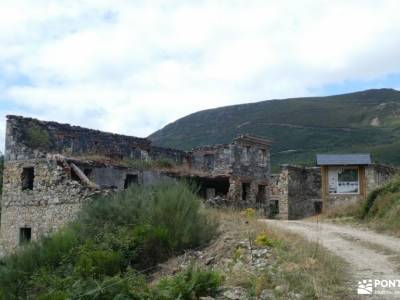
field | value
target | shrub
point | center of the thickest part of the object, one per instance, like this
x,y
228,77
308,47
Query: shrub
x,y
169,205
177,209
263,240
98,263
15,270
188,285
164,163
390,188
137,228
140,247
36,137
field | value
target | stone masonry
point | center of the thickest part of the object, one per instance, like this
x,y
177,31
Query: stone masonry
x,y
296,191
51,169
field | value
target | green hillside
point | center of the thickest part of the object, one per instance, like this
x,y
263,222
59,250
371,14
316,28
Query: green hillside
x,y
367,121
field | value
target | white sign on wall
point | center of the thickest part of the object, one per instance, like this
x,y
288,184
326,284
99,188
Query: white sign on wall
x,y
343,180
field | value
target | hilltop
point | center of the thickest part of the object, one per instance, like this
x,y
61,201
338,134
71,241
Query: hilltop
x,y
366,121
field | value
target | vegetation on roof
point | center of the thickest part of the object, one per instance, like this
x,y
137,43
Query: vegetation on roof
x,y
37,137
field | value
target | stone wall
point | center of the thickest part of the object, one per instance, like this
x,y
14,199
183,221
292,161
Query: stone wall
x,y
377,175
297,189
53,200
304,191
176,156
28,138
213,160
42,191
55,196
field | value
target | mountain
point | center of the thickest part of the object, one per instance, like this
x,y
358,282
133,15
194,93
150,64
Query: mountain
x,y
367,121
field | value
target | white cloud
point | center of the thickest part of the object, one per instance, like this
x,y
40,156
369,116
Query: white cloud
x,y
133,66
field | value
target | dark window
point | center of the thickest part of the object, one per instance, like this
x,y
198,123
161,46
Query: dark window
x,y
318,207
27,177
87,172
209,161
210,187
74,176
263,153
130,179
245,190
261,194
25,234
273,208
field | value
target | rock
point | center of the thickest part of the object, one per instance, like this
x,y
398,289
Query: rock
x,y
267,295
209,260
279,289
237,293
238,267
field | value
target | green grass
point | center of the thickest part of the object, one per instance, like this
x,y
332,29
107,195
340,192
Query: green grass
x,y
379,211
113,239
382,207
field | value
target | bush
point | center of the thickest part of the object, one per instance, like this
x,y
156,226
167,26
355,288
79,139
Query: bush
x,y
137,228
168,205
37,137
16,270
98,263
390,188
141,247
188,285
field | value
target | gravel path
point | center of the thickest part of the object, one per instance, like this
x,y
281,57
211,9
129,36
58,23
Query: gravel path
x,y
369,255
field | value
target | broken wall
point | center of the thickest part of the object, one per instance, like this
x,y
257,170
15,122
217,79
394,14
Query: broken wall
x,y
28,138
298,190
53,200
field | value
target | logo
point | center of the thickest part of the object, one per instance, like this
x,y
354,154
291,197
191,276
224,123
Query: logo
x,y
365,287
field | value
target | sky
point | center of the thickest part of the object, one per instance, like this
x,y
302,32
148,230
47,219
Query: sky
x,y
132,67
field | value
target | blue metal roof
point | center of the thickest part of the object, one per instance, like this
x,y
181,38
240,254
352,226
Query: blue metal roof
x,y
343,159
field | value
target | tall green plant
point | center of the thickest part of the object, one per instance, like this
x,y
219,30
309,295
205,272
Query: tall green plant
x,y
136,228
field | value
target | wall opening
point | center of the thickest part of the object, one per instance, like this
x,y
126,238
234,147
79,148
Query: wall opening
x,y
74,176
263,156
261,194
245,190
87,172
273,208
211,187
131,179
25,235
209,161
318,207
27,178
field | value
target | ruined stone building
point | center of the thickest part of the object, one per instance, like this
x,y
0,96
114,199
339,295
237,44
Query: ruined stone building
x,y
337,180
51,169
349,178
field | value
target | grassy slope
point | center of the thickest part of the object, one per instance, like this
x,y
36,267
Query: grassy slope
x,y
380,211
307,125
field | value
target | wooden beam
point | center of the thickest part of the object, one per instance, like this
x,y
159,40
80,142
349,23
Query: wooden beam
x,y
325,189
361,174
82,176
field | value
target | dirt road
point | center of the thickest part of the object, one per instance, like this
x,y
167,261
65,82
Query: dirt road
x,y
369,255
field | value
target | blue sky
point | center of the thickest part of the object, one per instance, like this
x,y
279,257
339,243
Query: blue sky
x,y
133,66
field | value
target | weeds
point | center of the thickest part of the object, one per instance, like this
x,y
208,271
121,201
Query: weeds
x,y
37,137
96,255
